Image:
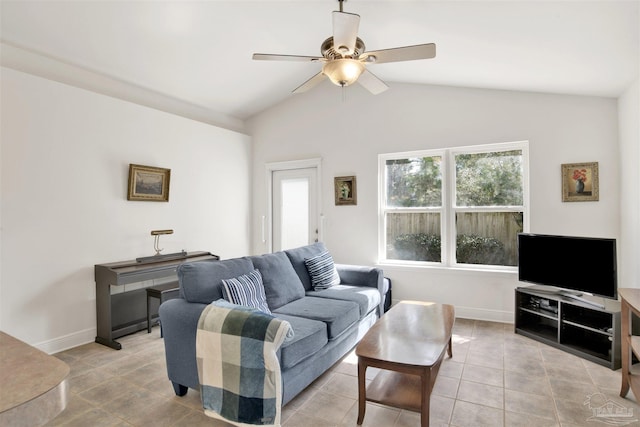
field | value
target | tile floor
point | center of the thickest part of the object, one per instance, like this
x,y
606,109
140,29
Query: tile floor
x,y
495,378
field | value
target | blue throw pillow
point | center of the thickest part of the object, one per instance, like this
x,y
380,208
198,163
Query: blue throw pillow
x,y
246,290
281,283
323,271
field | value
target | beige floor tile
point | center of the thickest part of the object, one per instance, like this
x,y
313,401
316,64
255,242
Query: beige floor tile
x,y
484,375
450,368
446,386
300,419
532,384
130,388
573,412
440,410
571,390
88,379
530,404
411,419
199,419
482,394
162,413
107,391
96,417
524,365
513,419
342,385
490,359
318,406
466,414
374,416
602,377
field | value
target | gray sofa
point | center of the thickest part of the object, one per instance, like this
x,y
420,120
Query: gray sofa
x,y
326,323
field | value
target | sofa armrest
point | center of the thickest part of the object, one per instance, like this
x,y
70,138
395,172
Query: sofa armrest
x,y
359,275
179,322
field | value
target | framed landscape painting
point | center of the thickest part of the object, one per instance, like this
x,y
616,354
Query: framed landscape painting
x,y
148,183
580,182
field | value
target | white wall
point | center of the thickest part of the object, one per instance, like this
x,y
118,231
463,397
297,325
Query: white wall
x,y
629,112
65,159
348,135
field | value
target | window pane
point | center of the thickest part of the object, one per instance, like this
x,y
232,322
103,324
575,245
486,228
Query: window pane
x,y
413,236
488,238
489,179
295,213
414,182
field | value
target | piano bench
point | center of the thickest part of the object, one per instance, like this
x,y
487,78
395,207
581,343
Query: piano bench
x,y
162,292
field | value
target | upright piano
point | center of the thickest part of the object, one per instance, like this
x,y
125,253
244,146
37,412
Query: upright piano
x,y
121,311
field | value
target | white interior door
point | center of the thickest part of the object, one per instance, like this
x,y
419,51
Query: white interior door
x,y
294,207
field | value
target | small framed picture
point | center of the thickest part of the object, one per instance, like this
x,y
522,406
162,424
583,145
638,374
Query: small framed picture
x,y
580,182
345,190
148,183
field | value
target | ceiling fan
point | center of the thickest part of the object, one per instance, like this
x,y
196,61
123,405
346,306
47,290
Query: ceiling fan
x,y
345,58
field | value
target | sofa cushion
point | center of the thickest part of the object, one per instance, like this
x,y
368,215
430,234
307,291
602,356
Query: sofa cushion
x,y
366,298
246,290
281,283
322,271
337,315
297,257
309,336
201,281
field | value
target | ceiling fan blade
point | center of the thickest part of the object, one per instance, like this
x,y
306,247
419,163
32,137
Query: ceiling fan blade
x,y
310,83
272,57
372,83
406,53
345,32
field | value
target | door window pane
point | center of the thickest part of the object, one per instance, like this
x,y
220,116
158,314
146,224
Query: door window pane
x,y
295,213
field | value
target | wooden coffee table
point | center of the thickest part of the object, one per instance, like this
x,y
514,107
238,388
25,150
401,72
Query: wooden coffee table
x,y
408,343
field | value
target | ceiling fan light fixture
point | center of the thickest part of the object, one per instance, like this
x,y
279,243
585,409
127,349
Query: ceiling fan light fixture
x,y
343,72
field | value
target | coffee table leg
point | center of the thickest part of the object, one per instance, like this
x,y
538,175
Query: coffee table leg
x,y
426,397
362,390
450,348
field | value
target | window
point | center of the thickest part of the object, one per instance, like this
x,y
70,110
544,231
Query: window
x,y
454,207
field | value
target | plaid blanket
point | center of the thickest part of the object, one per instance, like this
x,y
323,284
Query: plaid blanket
x,y
238,368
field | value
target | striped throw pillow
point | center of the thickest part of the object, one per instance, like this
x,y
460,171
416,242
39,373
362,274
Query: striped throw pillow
x,y
246,290
322,271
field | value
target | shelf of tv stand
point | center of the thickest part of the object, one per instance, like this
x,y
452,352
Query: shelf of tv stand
x,y
575,326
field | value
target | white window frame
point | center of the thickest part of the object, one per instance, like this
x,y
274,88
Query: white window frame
x,y
448,208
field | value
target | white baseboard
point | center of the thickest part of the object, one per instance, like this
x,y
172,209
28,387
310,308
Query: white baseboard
x,y
66,342
484,314
480,314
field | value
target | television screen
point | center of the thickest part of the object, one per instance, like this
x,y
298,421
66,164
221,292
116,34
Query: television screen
x,y
583,264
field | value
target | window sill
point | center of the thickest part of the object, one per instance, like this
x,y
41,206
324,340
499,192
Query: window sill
x,y
472,270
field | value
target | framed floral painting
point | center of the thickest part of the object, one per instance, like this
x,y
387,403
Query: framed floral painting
x,y
580,182
345,190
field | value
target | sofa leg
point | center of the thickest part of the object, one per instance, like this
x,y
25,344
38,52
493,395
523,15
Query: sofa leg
x,y
179,389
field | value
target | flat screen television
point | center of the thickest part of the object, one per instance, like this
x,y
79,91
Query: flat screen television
x,y
571,264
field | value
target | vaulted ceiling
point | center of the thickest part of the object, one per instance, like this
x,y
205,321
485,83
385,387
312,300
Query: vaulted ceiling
x,y
196,55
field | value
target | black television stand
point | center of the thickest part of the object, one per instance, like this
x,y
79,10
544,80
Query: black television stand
x,y
581,324
579,298
576,295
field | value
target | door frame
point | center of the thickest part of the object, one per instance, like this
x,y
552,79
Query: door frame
x,y
266,235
